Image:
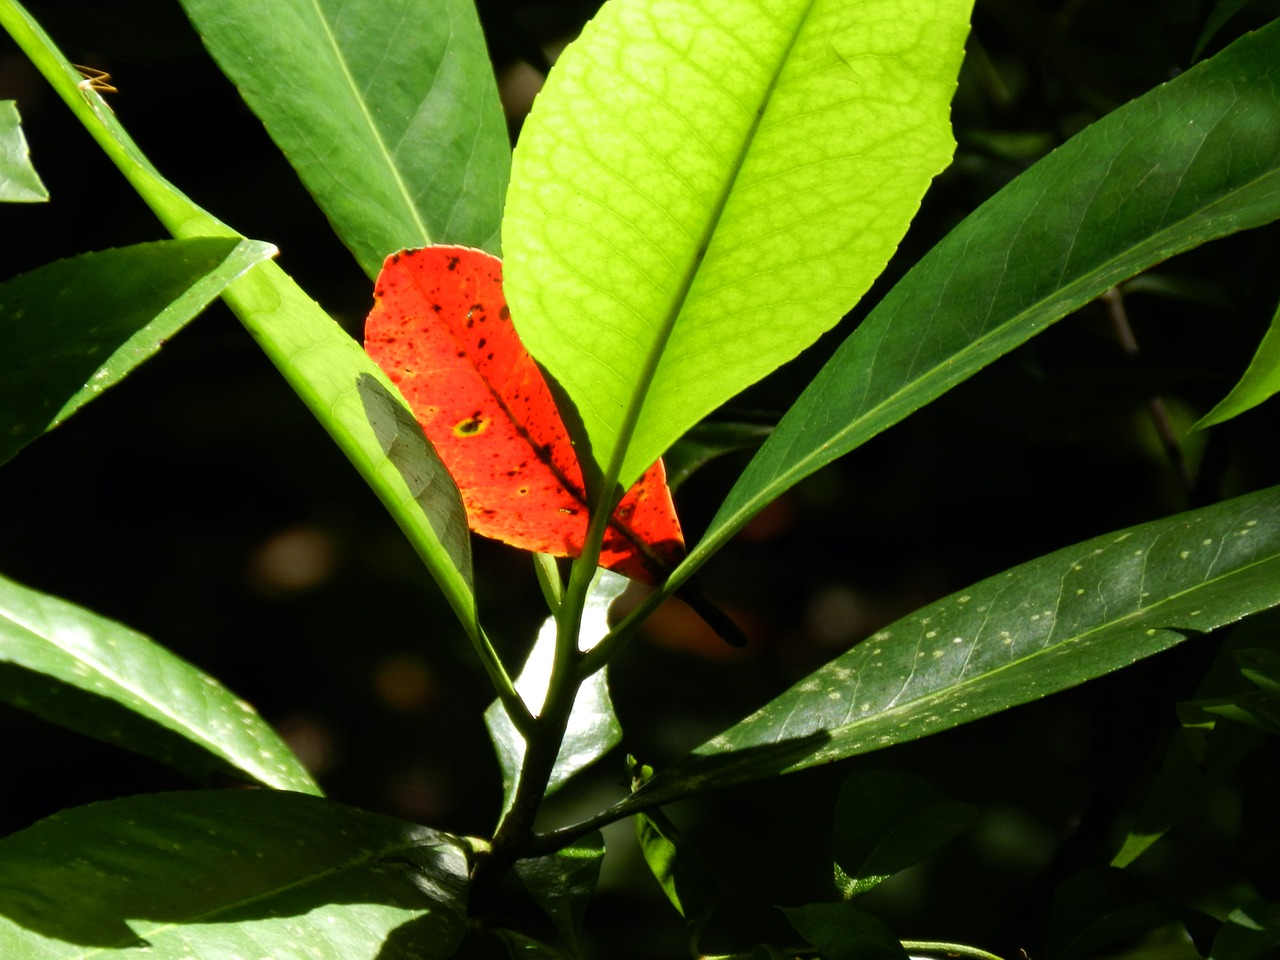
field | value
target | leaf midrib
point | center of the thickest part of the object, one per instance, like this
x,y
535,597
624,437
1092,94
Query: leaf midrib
x,y
374,132
680,294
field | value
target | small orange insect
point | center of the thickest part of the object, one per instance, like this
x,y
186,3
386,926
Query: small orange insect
x,y
99,81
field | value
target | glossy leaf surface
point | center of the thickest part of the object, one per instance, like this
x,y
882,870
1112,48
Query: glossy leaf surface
x,y
1194,159
215,874
328,370
1038,628
562,883
100,678
19,182
387,109
441,330
72,328
702,189
593,728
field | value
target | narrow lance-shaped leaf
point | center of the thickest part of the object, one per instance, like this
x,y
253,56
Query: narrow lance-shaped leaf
x,y
1194,159
75,668
702,189
19,182
230,873
441,330
1050,624
328,370
73,328
1260,382
387,109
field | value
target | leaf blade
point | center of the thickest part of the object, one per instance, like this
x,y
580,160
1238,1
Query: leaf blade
x,y
58,647
441,330
396,97
1007,640
19,182
212,874
650,184
72,328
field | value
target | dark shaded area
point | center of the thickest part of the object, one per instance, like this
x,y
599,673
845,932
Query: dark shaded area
x,y
199,503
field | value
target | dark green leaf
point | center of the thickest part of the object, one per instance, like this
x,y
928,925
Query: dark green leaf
x,y
843,932
593,727
100,678
885,822
70,329
1103,908
217,874
562,884
685,877
1065,618
1204,752
19,182
387,109
1194,159
1252,930
523,947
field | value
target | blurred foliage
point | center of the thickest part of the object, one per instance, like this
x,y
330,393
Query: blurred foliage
x,y
274,568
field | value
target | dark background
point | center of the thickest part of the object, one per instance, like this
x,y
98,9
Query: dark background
x,y
200,504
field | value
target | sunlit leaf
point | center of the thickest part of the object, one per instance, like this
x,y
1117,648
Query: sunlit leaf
x,y
19,182
703,189
387,109
216,874
86,672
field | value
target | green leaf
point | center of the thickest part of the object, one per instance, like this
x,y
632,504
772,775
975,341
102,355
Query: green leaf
x,y
700,191
1038,628
843,932
1260,382
86,672
329,371
19,182
216,874
562,884
1102,908
593,728
1204,753
387,109
1218,17
682,873
885,822
521,946
1194,159
73,328
1252,930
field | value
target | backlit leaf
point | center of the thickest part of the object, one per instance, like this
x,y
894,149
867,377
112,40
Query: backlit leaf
x,y
441,330
702,188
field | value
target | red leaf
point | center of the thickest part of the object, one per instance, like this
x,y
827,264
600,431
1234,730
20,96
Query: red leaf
x,y
441,330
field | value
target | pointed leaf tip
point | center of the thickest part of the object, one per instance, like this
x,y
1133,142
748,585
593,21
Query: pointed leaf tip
x,y
441,330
